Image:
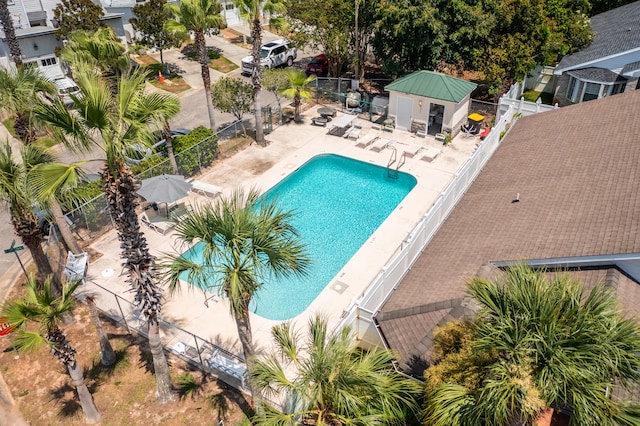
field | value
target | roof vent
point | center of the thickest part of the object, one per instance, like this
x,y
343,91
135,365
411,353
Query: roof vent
x,y
517,199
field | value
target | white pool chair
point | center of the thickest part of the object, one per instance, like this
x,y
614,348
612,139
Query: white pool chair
x,y
366,140
380,144
206,189
411,150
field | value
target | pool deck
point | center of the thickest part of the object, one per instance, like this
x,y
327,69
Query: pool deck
x,y
289,147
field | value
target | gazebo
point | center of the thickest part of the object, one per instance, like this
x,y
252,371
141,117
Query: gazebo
x,y
427,102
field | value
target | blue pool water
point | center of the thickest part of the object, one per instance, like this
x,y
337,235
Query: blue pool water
x,y
338,203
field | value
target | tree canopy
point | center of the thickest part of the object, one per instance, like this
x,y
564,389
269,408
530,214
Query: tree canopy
x,y
537,342
149,21
72,15
232,95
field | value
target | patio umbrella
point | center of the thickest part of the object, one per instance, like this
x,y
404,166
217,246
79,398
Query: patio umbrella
x,y
164,188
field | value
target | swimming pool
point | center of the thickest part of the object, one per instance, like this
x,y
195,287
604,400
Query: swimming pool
x,y
338,203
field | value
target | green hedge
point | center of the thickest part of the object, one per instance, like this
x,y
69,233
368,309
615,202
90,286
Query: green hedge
x,y
152,166
190,161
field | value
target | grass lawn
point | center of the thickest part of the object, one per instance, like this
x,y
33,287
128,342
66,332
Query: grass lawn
x,y
173,85
533,95
222,65
145,60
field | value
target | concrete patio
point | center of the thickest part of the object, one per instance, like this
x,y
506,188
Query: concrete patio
x,y
263,167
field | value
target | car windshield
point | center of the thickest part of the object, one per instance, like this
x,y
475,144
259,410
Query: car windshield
x,y
316,61
71,89
264,53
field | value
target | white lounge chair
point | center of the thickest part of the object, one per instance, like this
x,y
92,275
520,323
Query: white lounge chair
x,y
158,223
411,150
430,154
206,189
228,366
182,348
380,144
366,140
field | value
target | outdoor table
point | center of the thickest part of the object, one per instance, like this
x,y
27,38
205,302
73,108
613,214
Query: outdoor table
x,y
320,121
340,126
327,112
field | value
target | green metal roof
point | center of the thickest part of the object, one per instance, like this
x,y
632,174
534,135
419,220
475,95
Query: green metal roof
x,y
433,85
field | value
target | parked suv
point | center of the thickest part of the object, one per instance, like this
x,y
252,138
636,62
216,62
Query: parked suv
x,y
273,54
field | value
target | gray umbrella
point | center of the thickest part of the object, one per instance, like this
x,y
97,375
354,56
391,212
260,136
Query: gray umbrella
x,y
164,188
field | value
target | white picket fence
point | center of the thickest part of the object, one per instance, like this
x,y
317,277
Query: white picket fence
x,y
359,315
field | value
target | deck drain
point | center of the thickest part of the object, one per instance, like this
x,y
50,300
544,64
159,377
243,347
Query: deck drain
x,y
339,287
108,272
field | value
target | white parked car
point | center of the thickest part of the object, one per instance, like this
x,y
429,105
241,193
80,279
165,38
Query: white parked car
x,y
272,54
67,87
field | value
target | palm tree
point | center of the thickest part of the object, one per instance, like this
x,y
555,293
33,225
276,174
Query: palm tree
x,y
202,17
556,347
98,51
41,306
17,196
114,120
252,11
246,241
18,89
328,380
10,33
298,89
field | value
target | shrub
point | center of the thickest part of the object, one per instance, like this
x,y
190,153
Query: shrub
x,y
152,166
190,161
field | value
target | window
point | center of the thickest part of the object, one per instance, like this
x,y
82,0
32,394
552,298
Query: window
x,y
618,88
571,89
229,6
48,62
32,64
591,92
278,50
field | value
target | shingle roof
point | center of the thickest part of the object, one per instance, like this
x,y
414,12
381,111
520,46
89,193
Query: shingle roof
x,y
433,85
615,31
600,75
577,171
630,68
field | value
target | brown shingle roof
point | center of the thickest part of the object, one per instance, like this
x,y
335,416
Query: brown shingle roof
x,y
577,170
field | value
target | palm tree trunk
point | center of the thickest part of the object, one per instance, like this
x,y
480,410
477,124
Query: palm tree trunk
x,y
63,226
120,190
169,140
206,76
22,126
246,339
107,355
10,33
164,386
91,413
256,77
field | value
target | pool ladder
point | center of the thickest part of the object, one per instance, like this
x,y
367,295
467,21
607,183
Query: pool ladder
x,y
391,171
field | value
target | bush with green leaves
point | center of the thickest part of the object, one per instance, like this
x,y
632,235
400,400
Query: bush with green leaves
x,y
190,158
152,166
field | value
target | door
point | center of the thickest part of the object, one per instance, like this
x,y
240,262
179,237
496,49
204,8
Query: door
x,y
403,113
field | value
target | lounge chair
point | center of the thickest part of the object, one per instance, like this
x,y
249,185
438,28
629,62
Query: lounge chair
x,y
206,189
411,150
380,144
182,348
430,154
228,366
158,223
366,140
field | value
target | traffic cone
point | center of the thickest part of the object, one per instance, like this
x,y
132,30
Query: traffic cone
x,y
160,77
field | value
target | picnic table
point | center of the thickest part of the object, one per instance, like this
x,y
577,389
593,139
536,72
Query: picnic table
x,y
340,125
327,112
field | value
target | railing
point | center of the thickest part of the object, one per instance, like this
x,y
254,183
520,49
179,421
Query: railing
x,y
359,315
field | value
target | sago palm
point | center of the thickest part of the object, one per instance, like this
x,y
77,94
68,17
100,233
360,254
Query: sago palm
x,y
252,11
115,120
41,306
17,196
557,346
327,380
18,90
203,18
245,242
298,89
